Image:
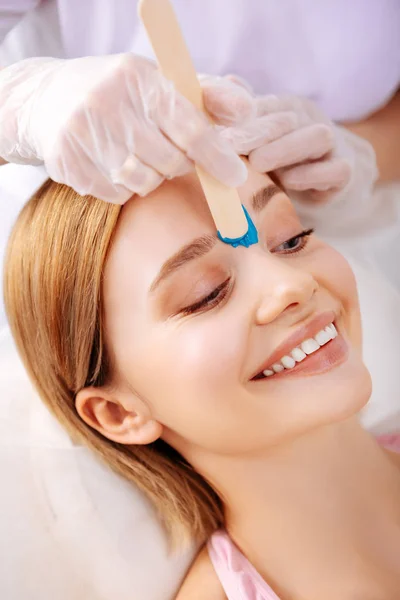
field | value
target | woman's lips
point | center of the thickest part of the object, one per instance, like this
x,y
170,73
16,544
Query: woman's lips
x,y
326,358
306,331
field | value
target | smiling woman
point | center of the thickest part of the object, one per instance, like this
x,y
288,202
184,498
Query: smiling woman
x,y
225,382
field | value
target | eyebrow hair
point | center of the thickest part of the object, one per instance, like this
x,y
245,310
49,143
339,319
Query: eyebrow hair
x,y
195,249
201,245
263,196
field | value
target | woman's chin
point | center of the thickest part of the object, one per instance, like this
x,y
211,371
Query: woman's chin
x,y
330,396
343,391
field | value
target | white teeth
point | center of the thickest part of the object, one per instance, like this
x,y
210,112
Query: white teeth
x,y
298,354
323,337
288,362
334,330
331,330
309,346
268,373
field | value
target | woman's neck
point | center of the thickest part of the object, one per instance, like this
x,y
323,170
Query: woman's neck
x,y
320,515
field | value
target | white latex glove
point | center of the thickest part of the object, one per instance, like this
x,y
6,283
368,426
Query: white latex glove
x,y
114,126
313,157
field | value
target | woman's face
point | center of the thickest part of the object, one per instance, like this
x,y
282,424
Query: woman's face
x,y
192,322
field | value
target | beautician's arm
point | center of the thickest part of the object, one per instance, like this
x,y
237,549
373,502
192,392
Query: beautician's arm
x,y
382,130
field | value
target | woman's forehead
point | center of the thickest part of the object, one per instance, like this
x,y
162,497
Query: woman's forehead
x,y
176,211
179,202
154,228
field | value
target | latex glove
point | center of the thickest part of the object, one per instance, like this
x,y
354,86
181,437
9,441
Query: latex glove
x,y
112,126
313,157
353,210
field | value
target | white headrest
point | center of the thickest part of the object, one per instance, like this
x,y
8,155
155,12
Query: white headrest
x,y
69,527
380,303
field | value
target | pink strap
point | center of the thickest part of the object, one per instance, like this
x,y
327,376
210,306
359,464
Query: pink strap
x,y
390,442
238,577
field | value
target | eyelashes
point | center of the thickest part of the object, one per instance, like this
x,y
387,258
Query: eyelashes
x,y
214,299
293,245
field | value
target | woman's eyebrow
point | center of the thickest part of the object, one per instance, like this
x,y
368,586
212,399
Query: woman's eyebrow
x,y
263,196
201,245
194,249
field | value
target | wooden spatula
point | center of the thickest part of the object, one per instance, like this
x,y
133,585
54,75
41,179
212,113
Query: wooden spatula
x,y
233,223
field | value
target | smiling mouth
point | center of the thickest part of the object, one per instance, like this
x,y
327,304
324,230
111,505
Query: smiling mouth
x,y
314,354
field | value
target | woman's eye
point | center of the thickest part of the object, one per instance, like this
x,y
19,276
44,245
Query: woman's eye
x,y
294,244
213,299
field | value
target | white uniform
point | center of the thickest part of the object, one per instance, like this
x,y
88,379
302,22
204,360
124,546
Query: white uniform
x,y
343,55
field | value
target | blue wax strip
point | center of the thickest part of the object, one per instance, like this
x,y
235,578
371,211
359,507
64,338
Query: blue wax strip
x,y
246,240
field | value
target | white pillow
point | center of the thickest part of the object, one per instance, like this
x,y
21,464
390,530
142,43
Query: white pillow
x,y
380,312
69,527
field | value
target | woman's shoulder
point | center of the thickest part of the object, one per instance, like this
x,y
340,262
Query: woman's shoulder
x,y
201,581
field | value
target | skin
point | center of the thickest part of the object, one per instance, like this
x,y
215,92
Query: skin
x,y
382,130
187,377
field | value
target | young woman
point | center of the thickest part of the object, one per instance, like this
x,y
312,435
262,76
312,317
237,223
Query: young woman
x,y
224,382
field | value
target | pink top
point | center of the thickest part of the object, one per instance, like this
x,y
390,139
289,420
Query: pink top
x,y
238,577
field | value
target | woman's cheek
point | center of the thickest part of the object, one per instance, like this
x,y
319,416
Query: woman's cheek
x,y
195,370
335,275
209,351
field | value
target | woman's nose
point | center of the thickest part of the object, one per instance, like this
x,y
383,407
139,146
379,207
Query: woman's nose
x,y
284,287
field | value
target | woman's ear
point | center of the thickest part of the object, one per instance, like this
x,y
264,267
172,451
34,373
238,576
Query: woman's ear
x,y
125,421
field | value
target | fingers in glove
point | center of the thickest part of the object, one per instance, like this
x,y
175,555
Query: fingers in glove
x,y
307,143
306,110
109,142
84,176
152,147
227,102
270,104
191,131
324,175
209,153
240,81
137,177
260,131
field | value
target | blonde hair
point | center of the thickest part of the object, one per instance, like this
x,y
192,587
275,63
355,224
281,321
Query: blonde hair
x,y
52,287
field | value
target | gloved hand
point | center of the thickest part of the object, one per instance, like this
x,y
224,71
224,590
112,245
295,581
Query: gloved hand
x,y
313,157
114,126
